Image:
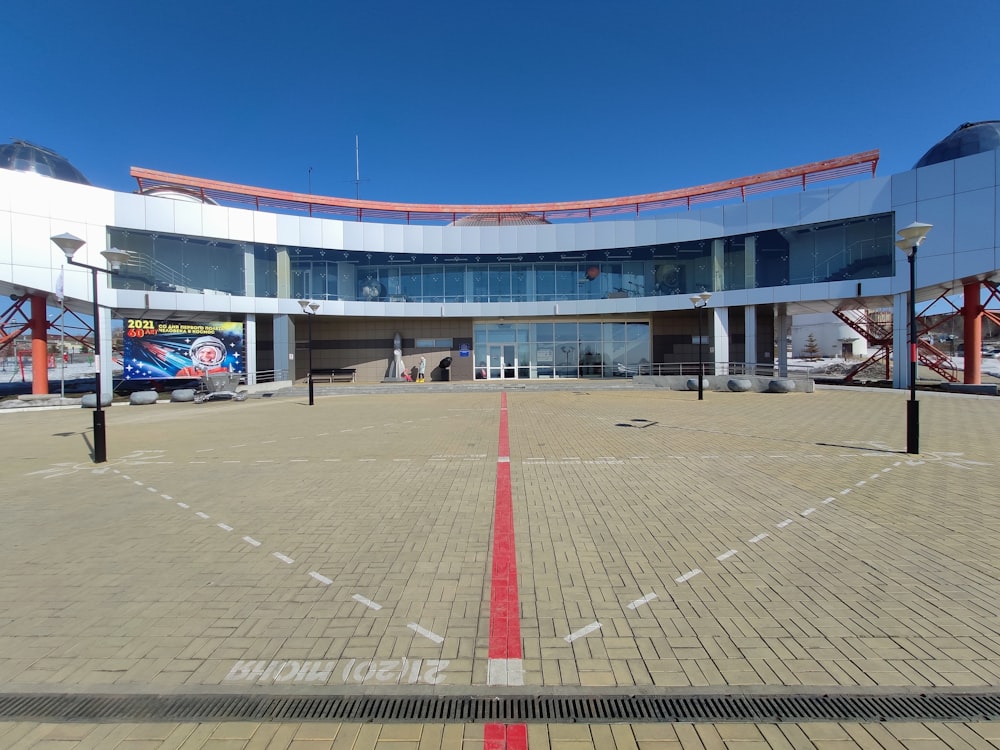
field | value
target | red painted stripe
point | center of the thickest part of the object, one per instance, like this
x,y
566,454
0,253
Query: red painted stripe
x,y
505,622
504,737
505,619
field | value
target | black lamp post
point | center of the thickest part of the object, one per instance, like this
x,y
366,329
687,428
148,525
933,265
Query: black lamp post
x,y
310,308
700,301
69,245
912,236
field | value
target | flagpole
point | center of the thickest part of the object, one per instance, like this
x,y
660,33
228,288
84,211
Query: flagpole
x,y
62,335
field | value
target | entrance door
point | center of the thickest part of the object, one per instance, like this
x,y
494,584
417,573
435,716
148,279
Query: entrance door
x,y
501,363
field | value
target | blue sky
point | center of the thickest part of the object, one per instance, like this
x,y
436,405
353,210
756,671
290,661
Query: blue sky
x,y
458,102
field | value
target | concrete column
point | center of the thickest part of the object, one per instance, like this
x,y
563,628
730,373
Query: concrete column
x,y
249,272
782,324
250,345
719,337
750,335
284,348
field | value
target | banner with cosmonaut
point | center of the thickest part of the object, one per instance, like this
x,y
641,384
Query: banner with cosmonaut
x,y
154,349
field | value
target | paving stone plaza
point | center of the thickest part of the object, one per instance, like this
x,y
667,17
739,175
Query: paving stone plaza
x,y
746,544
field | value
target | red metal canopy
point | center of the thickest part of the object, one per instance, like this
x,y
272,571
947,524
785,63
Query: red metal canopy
x,y
781,179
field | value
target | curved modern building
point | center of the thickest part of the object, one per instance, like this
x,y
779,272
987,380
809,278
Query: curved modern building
x,y
587,289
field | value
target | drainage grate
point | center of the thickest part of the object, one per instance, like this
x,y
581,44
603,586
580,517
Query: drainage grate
x,y
927,706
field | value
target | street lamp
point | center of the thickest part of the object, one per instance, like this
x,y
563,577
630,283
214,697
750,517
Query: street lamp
x,y
310,308
912,236
69,245
700,301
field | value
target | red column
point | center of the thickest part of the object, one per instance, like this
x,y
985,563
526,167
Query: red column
x,y
39,346
972,329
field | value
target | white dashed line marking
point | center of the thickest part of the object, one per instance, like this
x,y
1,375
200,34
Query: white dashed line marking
x,y
758,538
425,632
183,505
166,497
586,630
784,523
283,558
201,515
251,540
828,500
151,489
367,602
688,576
845,492
141,484
224,527
644,600
862,483
321,578
726,555
807,511
874,476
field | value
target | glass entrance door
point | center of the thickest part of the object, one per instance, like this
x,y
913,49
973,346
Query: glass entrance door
x,y
501,363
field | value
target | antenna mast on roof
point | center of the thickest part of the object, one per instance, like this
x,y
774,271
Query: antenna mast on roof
x,y
357,168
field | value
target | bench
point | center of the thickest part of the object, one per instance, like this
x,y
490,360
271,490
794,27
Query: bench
x,y
337,374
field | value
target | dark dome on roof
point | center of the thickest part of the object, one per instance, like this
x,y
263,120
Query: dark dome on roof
x,y
22,156
965,140
507,219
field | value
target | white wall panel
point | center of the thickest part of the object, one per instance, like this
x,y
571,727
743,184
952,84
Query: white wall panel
x,y
976,172
844,202
310,231
30,243
936,181
904,190
604,234
433,239
413,239
392,238
354,236
187,217
6,251
666,229
974,262
451,239
785,212
130,211
814,206
373,237
547,239
711,222
760,215
686,227
624,234
645,232
975,220
215,221
875,196
160,215
288,230
941,213
241,224
734,218
265,228
333,234
584,238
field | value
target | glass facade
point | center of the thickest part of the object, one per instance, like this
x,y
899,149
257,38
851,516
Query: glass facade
x,y
559,349
859,248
